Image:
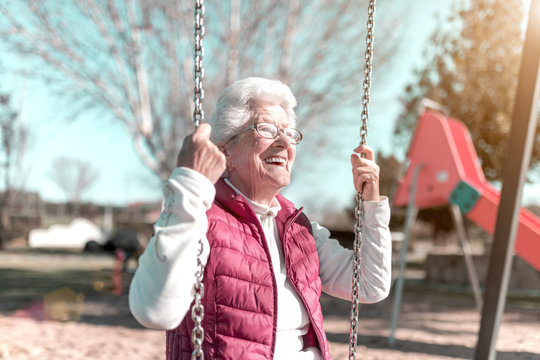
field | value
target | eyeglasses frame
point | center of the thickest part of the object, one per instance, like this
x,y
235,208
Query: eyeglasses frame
x,y
280,130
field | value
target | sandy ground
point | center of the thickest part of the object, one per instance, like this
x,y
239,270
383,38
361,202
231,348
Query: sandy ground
x,y
60,305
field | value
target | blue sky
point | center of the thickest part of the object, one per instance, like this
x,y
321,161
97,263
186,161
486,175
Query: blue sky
x,y
124,179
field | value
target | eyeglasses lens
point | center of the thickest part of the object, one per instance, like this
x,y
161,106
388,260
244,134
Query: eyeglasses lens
x,y
271,131
267,130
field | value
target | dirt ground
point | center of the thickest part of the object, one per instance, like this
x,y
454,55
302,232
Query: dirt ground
x,y
61,305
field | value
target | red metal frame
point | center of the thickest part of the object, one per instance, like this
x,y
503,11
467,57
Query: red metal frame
x,y
444,149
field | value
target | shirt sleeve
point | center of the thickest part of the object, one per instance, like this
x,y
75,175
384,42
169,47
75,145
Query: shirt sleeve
x,y
161,290
336,262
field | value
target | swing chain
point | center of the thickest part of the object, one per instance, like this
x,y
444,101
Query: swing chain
x,y
359,210
359,215
198,73
197,309
368,67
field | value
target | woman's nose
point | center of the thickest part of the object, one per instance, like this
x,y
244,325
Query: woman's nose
x,y
283,139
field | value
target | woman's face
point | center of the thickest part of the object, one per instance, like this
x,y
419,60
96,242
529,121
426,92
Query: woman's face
x,y
257,166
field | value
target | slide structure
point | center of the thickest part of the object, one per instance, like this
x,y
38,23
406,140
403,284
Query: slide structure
x,y
450,172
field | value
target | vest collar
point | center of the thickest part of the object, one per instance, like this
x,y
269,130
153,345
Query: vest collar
x,y
237,204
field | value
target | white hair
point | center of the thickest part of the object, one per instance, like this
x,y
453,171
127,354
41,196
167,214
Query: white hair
x,y
235,105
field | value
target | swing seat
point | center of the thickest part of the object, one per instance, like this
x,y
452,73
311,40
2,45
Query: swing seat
x,y
451,174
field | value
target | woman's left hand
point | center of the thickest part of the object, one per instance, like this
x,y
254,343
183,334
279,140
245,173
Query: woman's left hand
x,y
365,173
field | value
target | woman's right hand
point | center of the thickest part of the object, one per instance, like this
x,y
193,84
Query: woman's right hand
x,y
201,154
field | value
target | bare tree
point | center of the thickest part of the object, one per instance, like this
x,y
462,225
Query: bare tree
x,y
14,136
73,176
132,59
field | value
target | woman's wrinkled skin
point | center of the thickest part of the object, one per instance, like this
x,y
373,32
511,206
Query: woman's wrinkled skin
x,y
257,166
261,167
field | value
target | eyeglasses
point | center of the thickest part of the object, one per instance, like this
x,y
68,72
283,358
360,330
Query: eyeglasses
x,y
271,131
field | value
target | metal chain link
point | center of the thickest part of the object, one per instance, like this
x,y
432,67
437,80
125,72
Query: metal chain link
x,y
359,210
368,67
198,73
197,310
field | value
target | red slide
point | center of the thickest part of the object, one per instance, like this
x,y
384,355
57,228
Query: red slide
x,y
451,173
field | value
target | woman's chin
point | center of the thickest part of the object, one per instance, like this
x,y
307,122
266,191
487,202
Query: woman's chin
x,y
278,174
281,181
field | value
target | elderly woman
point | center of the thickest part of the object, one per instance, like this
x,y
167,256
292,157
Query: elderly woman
x,y
265,262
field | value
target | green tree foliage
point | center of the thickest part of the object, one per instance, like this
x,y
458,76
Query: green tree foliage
x,y
390,171
472,66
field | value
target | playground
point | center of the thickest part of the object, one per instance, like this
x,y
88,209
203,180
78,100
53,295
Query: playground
x,y
436,322
69,304
66,304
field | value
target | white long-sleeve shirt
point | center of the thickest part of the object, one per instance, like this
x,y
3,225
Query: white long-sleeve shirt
x,y
161,290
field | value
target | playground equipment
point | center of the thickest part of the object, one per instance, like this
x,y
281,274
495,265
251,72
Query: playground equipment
x,y
450,173
455,177
443,168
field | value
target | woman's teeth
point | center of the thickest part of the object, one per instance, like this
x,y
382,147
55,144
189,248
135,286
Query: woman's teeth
x,y
275,160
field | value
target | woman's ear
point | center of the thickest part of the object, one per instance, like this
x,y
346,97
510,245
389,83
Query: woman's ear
x,y
223,149
228,169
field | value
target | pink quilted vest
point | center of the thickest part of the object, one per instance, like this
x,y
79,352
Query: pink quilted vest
x,y
240,298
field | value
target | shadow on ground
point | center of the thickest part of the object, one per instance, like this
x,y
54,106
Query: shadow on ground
x,y
408,346
434,323
85,295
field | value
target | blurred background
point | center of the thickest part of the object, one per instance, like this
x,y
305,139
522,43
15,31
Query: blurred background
x,y
96,97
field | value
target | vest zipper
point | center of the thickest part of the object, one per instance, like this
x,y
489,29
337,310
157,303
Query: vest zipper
x,y
264,244
285,230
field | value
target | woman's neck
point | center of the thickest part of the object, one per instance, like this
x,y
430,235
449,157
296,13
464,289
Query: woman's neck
x,y
267,197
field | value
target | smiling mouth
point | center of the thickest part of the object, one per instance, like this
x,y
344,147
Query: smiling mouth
x,y
277,161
